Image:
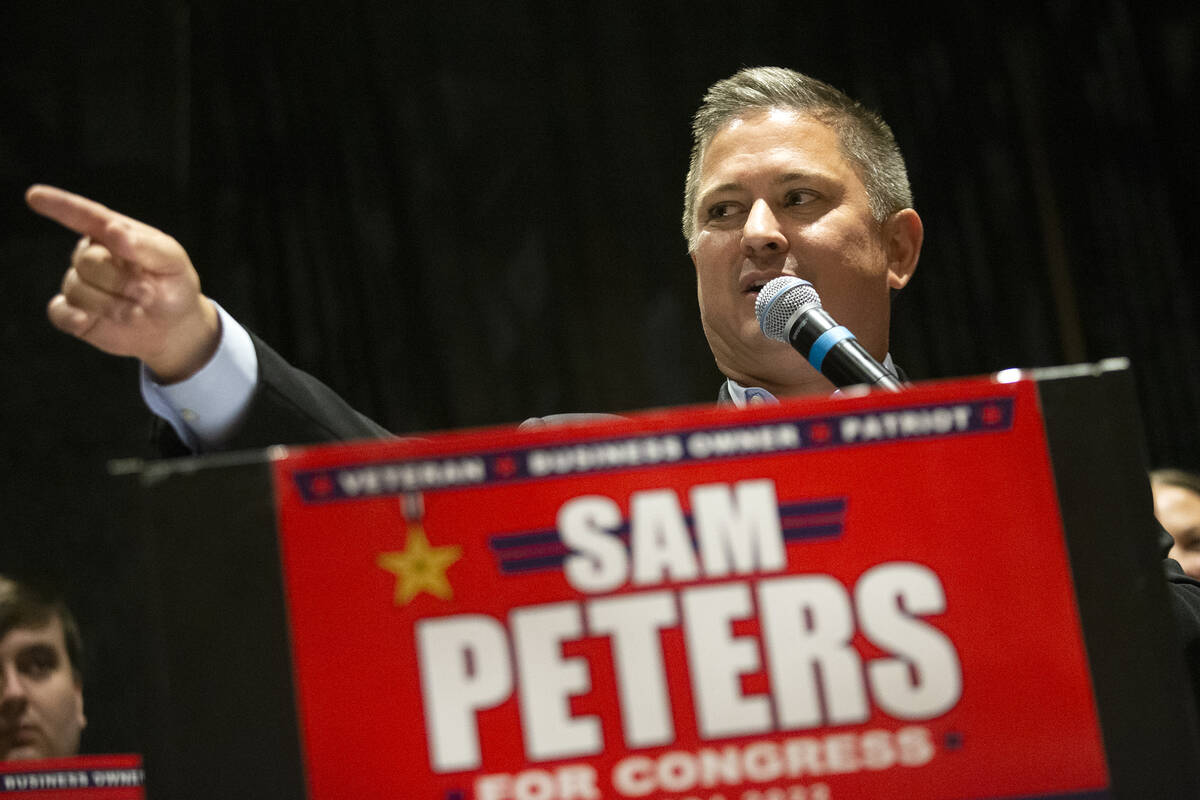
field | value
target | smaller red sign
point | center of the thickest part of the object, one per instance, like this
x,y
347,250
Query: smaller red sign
x,y
96,777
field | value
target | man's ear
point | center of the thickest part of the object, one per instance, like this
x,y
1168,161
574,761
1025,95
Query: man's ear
x,y
903,234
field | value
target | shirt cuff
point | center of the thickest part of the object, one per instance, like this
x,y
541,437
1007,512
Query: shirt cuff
x,y
204,408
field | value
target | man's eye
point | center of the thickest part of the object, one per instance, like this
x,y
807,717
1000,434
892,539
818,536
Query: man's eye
x,y
799,197
721,210
38,662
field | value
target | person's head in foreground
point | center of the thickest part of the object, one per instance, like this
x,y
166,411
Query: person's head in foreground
x,y
1177,506
41,702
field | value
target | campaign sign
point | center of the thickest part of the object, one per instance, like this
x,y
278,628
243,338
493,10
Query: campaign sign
x,y
91,777
836,598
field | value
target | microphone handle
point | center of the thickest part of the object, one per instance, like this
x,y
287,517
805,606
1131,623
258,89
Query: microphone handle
x,y
834,352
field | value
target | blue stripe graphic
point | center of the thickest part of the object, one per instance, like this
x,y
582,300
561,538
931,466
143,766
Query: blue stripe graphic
x,y
655,450
522,552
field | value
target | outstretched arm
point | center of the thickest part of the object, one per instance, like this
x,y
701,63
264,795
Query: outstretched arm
x,y
130,290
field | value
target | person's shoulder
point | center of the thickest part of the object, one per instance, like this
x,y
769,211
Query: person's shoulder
x,y
1184,594
1177,577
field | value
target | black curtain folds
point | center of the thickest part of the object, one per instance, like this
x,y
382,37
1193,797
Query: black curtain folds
x,y
467,213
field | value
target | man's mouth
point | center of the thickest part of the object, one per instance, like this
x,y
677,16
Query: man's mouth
x,y
755,287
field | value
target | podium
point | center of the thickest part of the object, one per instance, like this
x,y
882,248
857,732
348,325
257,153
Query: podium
x,y
949,592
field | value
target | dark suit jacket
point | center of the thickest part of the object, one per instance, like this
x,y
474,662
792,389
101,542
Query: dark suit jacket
x,y
289,406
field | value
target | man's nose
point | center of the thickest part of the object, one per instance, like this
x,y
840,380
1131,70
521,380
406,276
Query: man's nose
x,y
762,234
12,690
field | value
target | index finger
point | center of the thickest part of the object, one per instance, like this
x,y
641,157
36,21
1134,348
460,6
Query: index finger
x,y
72,210
124,236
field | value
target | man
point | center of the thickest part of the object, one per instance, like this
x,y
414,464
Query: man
x,y
1177,506
788,176
41,705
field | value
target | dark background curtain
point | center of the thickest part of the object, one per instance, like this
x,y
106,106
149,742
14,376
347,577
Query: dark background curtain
x,y
468,213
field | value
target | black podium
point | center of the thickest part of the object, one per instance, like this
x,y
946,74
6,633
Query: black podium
x,y
255,649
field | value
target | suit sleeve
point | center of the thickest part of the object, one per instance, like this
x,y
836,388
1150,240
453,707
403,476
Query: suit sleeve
x,y
289,406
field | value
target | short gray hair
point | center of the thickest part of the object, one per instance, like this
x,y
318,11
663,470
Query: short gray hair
x,y
867,141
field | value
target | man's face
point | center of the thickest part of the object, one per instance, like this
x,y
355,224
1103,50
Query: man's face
x,y
777,197
1178,509
41,705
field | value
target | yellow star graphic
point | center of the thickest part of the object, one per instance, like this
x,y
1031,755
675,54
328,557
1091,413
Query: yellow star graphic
x,y
419,567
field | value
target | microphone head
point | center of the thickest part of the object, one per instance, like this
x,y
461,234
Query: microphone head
x,y
779,300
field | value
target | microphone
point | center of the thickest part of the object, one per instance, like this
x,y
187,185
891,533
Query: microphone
x,y
789,310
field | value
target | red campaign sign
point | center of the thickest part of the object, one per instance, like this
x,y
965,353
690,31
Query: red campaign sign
x,y
92,777
831,598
